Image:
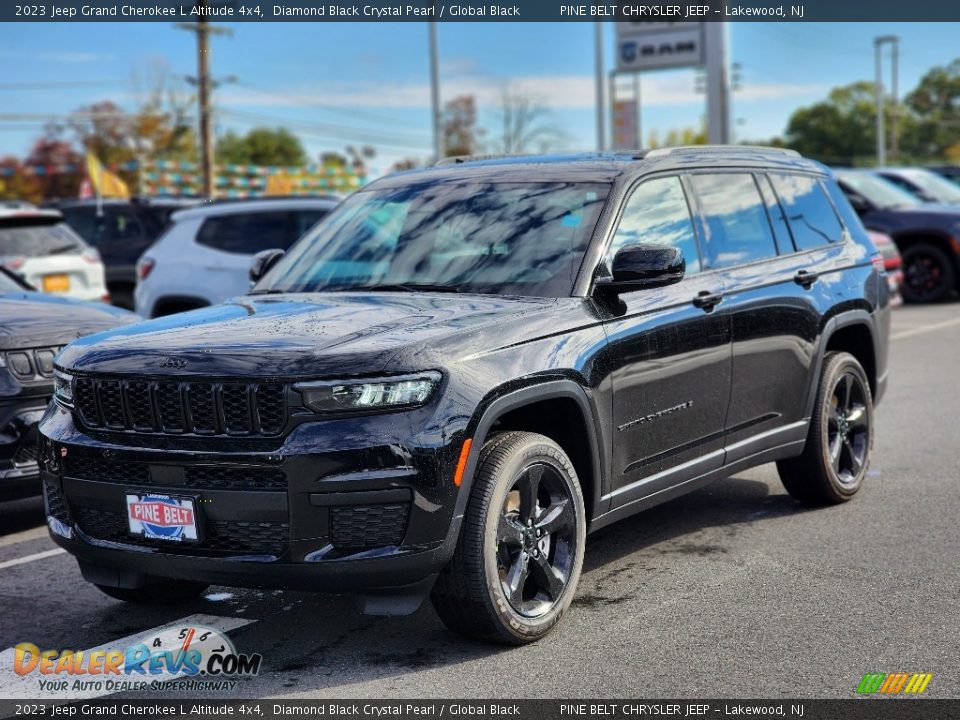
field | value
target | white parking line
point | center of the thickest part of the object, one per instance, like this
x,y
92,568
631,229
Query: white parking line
x,y
13,686
30,558
17,538
924,329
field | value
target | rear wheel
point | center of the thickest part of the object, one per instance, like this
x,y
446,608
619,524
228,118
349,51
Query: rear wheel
x,y
171,592
928,274
518,558
835,459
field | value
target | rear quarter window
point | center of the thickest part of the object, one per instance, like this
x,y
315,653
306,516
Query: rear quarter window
x,y
247,233
810,214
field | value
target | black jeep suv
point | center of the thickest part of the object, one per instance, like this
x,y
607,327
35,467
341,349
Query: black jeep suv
x,y
446,384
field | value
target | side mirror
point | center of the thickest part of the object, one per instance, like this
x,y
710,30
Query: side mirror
x,y
263,261
637,267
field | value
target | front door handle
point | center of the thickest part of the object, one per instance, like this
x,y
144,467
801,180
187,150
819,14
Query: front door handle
x,y
805,279
707,301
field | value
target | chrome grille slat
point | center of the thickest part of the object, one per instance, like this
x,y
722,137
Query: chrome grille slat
x,y
204,408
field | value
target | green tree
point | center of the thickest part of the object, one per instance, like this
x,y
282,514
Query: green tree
x,y
935,105
838,130
261,146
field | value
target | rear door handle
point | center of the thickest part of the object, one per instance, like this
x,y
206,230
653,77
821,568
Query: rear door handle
x,y
707,301
805,279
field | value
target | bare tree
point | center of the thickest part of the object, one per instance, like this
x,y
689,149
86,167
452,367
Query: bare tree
x,y
525,124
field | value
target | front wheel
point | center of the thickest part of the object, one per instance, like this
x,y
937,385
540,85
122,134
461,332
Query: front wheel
x,y
837,453
520,551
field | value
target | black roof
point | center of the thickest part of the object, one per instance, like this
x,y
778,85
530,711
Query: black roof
x,y
605,167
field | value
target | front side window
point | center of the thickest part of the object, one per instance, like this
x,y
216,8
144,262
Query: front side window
x,y
737,229
484,236
657,213
812,219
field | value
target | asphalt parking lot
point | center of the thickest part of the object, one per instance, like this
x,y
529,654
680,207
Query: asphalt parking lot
x,y
733,591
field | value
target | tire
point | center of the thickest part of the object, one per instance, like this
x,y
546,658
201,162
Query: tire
x,y
928,274
837,452
169,593
497,549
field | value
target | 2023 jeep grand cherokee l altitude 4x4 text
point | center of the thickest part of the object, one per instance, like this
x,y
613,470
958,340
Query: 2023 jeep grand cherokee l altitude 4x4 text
x,y
447,383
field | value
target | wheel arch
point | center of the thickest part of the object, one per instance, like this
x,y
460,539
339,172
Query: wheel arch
x,y
517,410
852,331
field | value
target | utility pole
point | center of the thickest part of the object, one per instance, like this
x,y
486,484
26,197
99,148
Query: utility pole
x,y
204,84
878,43
600,101
895,108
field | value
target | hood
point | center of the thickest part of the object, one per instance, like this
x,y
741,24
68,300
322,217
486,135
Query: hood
x,y
30,319
945,217
294,335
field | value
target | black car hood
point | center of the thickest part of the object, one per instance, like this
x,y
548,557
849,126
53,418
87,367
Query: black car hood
x,y
890,220
293,335
30,319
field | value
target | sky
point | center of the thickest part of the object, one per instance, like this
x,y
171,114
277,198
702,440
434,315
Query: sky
x,y
339,84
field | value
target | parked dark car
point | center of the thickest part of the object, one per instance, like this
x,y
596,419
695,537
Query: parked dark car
x,y
950,172
121,230
33,328
445,385
927,235
923,183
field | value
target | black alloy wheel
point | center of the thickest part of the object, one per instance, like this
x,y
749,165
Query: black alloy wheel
x,y
536,540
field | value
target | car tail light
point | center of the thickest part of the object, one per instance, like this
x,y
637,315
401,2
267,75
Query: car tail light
x,y
145,267
106,298
13,263
91,256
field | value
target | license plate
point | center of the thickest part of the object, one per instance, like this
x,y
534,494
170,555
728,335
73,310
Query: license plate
x,y
56,283
163,517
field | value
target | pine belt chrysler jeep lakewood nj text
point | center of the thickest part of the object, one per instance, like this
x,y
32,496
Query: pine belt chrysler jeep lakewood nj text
x,y
447,383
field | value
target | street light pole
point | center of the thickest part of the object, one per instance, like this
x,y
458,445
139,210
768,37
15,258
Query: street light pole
x,y
878,43
438,149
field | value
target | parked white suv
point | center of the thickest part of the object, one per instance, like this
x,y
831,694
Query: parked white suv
x,y
204,256
42,249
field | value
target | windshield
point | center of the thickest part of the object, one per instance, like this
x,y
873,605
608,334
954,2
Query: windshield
x,y
879,192
935,186
22,237
482,236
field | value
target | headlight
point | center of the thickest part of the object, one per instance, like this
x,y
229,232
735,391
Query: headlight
x,y
374,394
63,388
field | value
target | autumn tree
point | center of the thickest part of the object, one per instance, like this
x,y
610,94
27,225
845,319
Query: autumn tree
x,y
526,125
458,126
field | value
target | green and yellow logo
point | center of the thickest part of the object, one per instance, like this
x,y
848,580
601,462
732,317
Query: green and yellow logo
x,y
898,683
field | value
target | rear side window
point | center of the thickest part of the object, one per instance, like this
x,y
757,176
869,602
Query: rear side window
x,y
737,229
247,233
657,213
812,219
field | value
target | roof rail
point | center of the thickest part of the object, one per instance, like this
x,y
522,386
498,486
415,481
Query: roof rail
x,y
459,159
662,152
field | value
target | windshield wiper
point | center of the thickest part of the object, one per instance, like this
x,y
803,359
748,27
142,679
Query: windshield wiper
x,y
63,249
398,287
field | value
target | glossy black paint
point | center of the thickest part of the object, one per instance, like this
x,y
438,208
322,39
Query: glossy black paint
x,y
660,390
33,326
640,267
263,261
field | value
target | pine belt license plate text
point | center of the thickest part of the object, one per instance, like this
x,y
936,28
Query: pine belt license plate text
x,y
56,283
163,517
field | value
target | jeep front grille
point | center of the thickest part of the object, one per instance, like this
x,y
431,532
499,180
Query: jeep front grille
x,y
174,407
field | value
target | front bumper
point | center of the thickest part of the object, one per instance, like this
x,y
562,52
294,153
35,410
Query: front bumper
x,y
327,508
19,474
